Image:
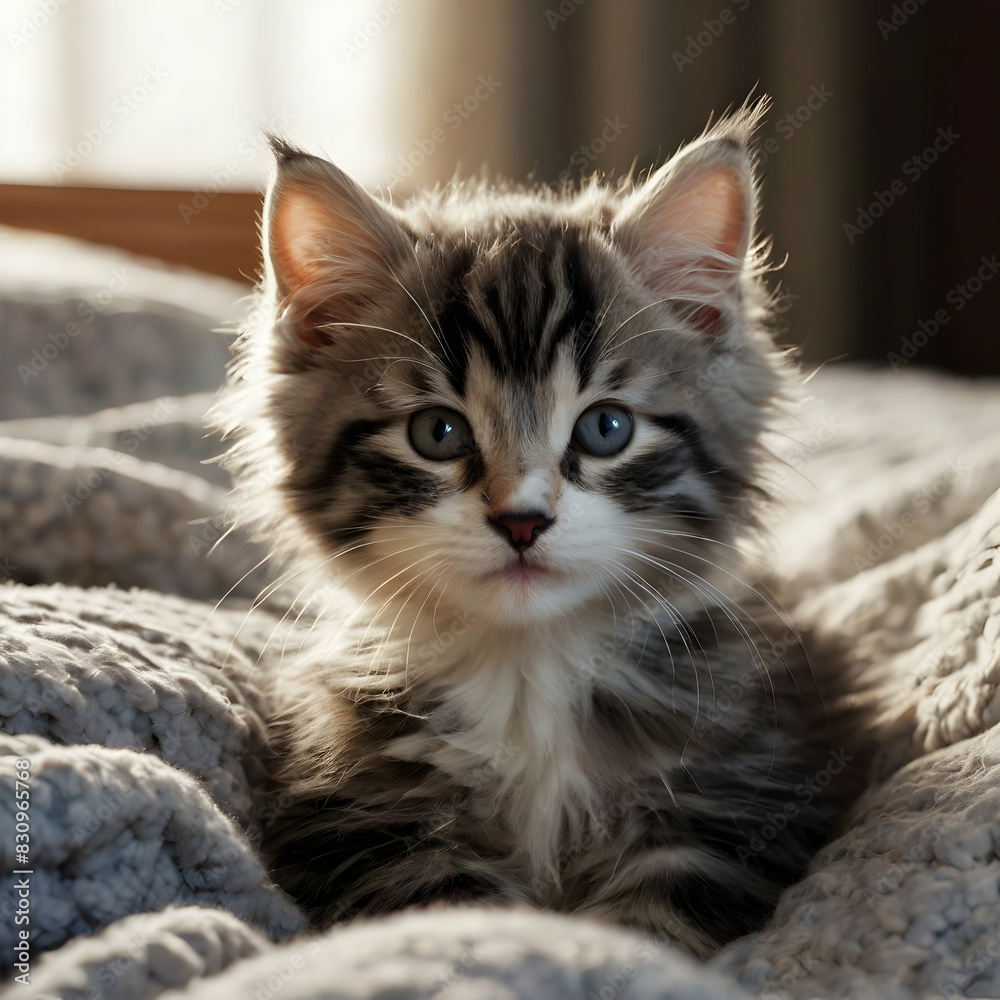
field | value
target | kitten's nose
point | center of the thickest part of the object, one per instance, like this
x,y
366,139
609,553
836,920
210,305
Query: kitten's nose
x,y
521,530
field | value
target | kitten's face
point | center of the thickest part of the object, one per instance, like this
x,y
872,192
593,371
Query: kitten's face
x,y
506,406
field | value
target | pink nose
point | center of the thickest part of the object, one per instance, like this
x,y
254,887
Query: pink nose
x,y
521,530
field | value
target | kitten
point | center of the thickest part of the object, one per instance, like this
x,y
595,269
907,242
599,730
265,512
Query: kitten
x,y
509,438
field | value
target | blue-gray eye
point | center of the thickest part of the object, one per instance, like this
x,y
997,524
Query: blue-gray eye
x,y
603,430
441,434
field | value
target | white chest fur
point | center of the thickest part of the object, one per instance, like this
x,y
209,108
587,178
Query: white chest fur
x,y
509,727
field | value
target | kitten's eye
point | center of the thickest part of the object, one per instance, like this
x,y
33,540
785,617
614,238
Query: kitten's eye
x,y
603,430
441,434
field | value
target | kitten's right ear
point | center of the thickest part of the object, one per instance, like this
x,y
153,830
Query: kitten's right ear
x,y
328,244
689,228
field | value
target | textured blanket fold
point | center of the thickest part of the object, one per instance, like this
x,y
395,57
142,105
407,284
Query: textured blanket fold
x,y
114,831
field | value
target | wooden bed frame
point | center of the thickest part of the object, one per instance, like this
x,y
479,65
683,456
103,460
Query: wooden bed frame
x,y
210,232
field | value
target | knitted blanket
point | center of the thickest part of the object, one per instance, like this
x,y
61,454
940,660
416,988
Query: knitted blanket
x,y
132,721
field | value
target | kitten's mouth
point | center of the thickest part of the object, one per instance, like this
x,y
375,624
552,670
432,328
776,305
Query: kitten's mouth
x,y
524,572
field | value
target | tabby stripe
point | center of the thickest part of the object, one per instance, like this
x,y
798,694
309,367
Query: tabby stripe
x,y
579,318
688,431
636,484
459,329
353,437
511,302
570,466
395,487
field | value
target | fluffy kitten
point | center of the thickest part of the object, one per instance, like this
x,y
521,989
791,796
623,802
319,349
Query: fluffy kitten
x,y
509,438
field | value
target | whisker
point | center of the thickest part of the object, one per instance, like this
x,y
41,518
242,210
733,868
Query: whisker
x,y
396,575
218,603
427,320
395,333
407,583
763,598
435,588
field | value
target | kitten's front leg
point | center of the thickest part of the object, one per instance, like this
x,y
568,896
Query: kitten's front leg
x,y
685,893
338,862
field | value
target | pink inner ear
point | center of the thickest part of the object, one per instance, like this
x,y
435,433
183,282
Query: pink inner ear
x,y
319,260
710,210
692,242
299,229
708,320
727,201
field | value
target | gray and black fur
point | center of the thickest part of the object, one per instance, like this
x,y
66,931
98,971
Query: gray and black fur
x,y
607,718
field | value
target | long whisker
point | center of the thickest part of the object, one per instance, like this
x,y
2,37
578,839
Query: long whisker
x,y
659,628
395,333
642,309
699,582
409,582
435,588
265,593
396,575
231,589
427,319
763,598
704,590
759,660
274,585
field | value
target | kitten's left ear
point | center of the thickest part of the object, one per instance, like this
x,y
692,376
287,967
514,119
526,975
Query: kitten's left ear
x,y
688,228
329,246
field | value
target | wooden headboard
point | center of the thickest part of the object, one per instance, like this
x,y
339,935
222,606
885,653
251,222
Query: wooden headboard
x,y
213,233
